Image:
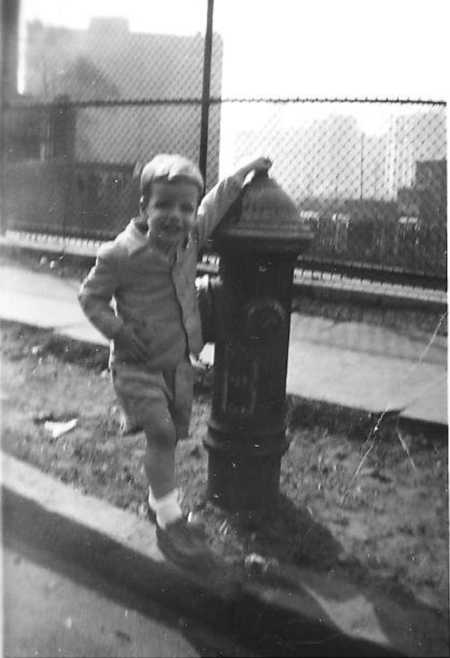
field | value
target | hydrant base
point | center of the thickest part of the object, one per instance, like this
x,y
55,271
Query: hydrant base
x,y
244,482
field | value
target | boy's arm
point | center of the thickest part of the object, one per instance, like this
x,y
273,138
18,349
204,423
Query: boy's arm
x,y
217,201
97,291
95,296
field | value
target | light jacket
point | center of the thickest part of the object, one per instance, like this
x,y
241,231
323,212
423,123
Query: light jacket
x,y
134,284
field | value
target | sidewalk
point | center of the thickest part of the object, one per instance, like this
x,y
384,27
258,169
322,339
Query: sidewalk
x,y
357,365
352,364
294,611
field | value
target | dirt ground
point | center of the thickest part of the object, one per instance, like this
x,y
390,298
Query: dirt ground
x,y
354,500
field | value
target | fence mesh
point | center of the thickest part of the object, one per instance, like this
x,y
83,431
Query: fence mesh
x,y
370,178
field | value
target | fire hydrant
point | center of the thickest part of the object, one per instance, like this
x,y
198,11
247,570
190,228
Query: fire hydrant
x,y
258,244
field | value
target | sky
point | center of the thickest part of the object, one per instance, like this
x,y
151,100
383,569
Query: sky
x,y
313,48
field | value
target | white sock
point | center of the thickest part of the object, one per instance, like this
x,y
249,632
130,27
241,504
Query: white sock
x,y
167,508
152,500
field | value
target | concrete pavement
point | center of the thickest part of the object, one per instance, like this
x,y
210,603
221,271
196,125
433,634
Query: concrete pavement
x,y
353,364
53,607
368,367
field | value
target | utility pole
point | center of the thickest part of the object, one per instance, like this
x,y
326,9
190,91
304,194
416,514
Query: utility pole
x,y
204,121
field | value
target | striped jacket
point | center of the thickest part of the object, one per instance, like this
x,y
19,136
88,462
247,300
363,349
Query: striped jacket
x,y
133,284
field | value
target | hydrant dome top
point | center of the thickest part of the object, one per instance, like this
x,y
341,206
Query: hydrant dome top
x,y
264,218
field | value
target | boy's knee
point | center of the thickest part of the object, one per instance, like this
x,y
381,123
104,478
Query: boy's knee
x,y
161,432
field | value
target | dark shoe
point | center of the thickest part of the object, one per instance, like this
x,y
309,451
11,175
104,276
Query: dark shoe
x,y
182,544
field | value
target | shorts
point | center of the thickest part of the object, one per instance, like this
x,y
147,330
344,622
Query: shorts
x,y
149,398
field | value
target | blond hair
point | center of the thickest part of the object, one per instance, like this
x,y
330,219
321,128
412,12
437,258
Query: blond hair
x,y
169,167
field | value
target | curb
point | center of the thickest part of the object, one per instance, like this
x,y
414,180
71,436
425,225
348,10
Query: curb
x,y
43,511
384,299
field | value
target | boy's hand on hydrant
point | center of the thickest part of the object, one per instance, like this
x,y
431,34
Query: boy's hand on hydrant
x,y
260,164
127,340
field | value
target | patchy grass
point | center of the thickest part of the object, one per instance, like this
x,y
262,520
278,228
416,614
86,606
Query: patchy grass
x,y
372,504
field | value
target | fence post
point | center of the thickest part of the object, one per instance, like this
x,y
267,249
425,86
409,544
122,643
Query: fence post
x,y
8,85
203,156
62,149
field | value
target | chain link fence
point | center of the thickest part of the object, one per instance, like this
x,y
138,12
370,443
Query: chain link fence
x,y
369,177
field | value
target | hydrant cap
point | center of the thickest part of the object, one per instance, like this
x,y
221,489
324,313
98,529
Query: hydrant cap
x,y
264,219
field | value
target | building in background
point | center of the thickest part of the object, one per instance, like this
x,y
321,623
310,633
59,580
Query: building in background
x,y
431,184
412,138
332,159
107,62
426,199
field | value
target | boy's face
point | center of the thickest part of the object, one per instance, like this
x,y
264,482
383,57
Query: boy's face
x,y
171,212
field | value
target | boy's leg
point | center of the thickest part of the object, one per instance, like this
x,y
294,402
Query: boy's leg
x,y
159,458
159,464
177,539
144,399
149,399
167,423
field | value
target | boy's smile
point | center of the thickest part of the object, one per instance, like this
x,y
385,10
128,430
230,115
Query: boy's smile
x,y
171,212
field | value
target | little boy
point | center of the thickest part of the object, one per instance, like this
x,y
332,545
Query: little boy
x,y
148,272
